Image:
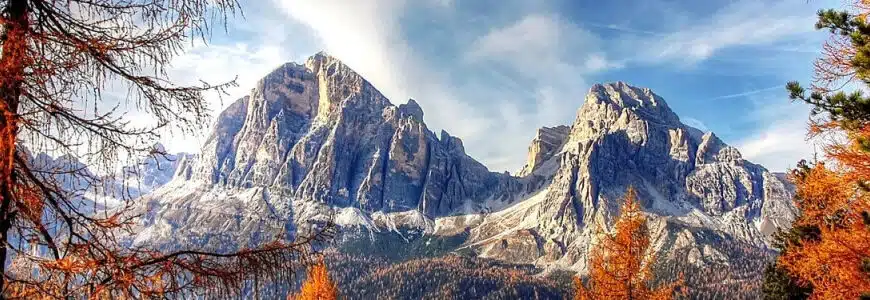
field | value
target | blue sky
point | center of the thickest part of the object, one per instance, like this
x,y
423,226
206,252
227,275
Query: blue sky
x,y
492,72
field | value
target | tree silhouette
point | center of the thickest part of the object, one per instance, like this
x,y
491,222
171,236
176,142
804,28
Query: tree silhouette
x,y
620,266
59,61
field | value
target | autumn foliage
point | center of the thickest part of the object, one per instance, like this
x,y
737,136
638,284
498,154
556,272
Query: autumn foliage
x,y
828,249
58,61
620,266
835,258
826,253
318,285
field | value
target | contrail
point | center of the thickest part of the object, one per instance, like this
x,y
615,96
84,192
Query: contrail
x,y
747,93
623,29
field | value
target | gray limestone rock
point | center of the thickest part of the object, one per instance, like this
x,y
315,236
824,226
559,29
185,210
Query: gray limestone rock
x,y
314,141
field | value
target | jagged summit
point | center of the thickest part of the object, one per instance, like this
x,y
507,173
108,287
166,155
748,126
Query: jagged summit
x,y
412,109
323,133
626,95
317,140
620,95
547,143
623,137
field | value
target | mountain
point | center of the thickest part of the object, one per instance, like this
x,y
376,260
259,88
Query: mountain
x,y
316,141
151,172
99,191
627,136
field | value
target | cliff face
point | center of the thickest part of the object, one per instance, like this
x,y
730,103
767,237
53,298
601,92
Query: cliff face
x,y
623,137
322,133
316,141
547,142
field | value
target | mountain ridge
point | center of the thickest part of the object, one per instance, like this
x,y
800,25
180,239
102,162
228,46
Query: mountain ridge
x,y
314,141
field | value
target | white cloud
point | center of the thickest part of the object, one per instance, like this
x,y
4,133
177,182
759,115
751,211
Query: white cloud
x,y
780,140
741,23
217,64
698,124
539,44
363,34
597,62
526,42
366,36
441,3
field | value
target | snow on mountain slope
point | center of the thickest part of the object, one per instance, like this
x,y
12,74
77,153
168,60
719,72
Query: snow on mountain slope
x,y
98,191
626,136
317,141
151,172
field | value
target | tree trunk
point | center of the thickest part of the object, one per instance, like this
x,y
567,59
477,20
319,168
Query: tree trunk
x,y
13,63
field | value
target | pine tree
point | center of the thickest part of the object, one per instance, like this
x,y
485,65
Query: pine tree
x,y
826,254
778,283
621,264
318,285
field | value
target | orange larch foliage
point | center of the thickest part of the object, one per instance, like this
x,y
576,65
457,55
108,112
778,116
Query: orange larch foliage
x,y
620,266
831,252
318,285
834,199
57,59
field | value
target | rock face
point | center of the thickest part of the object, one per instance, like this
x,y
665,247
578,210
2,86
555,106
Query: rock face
x,y
315,137
150,173
547,142
317,141
80,183
625,136
322,133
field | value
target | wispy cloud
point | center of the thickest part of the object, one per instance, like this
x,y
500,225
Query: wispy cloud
x,y
546,60
539,43
740,23
779,140
623,29
697,124
499,76
750,92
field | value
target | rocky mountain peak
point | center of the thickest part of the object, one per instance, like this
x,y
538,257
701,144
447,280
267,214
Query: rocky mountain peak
x,y
547,143
624,95
625,136
619,96
313,62
451,143
321,133
315,139
412,109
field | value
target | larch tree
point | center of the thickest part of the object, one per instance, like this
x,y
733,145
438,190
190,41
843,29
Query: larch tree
x,y
620,266
826,253
318,285
58,62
